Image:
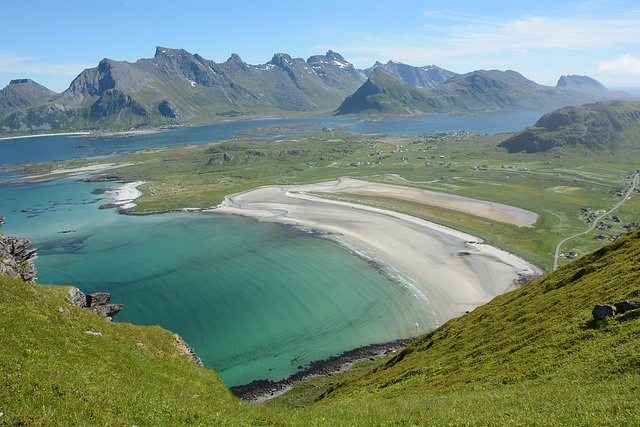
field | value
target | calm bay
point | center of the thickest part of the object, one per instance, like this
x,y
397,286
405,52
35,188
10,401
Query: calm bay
x,y
255,300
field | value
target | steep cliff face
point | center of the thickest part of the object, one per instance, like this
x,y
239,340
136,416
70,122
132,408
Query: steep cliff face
x,y
16,259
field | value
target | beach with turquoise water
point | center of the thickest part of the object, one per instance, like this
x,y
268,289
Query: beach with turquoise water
x,y
257,300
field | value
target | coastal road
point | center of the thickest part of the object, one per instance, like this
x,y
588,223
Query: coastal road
x,y
595,221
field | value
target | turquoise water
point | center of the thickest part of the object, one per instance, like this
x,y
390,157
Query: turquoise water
x,y
255,300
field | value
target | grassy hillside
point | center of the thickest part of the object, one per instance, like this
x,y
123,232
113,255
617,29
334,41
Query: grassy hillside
x,y
607,127
531,357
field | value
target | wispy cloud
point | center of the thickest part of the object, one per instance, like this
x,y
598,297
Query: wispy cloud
x,y
625,65
542,33
25,65
443,38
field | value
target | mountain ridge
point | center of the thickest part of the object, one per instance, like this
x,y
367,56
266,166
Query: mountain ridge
x,y
178,87
475,92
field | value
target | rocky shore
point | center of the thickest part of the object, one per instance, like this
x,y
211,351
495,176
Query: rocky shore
x,y
261,390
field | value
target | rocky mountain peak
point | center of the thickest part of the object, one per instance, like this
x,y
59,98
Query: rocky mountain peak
x,y
21,81
164,51
333,56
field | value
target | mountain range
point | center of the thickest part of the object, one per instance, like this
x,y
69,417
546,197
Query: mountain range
x,y
177,87
474,92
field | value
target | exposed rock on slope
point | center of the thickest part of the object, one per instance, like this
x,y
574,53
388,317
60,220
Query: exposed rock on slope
x,y
428,76
16,259
24,93
585,83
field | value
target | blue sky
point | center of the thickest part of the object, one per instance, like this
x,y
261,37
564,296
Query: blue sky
x,y
52,41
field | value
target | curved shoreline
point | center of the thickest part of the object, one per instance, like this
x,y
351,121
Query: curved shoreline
x,y
454,271
260,390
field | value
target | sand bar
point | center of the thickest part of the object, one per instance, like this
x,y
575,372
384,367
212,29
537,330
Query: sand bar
x,y
46,134
490,210
453,271
80,171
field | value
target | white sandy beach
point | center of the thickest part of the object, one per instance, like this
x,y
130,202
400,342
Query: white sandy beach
x,y
124,195
46,134
454,271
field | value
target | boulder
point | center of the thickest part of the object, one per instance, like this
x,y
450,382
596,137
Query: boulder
x,y
602,311
107,310
16,259
98,298
77,297
624,306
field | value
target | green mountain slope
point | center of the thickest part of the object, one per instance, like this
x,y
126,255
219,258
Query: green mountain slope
x,y
604,126
475,92
24,93
537,346
386,94
533,356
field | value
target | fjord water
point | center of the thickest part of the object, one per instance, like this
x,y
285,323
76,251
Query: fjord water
x,y
60,147
255,300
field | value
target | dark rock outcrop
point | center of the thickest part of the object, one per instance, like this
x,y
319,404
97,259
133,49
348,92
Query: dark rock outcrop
x,y
602,311
97,302
98,298
16,259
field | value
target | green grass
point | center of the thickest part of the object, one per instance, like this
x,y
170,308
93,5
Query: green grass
x,y
538,342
